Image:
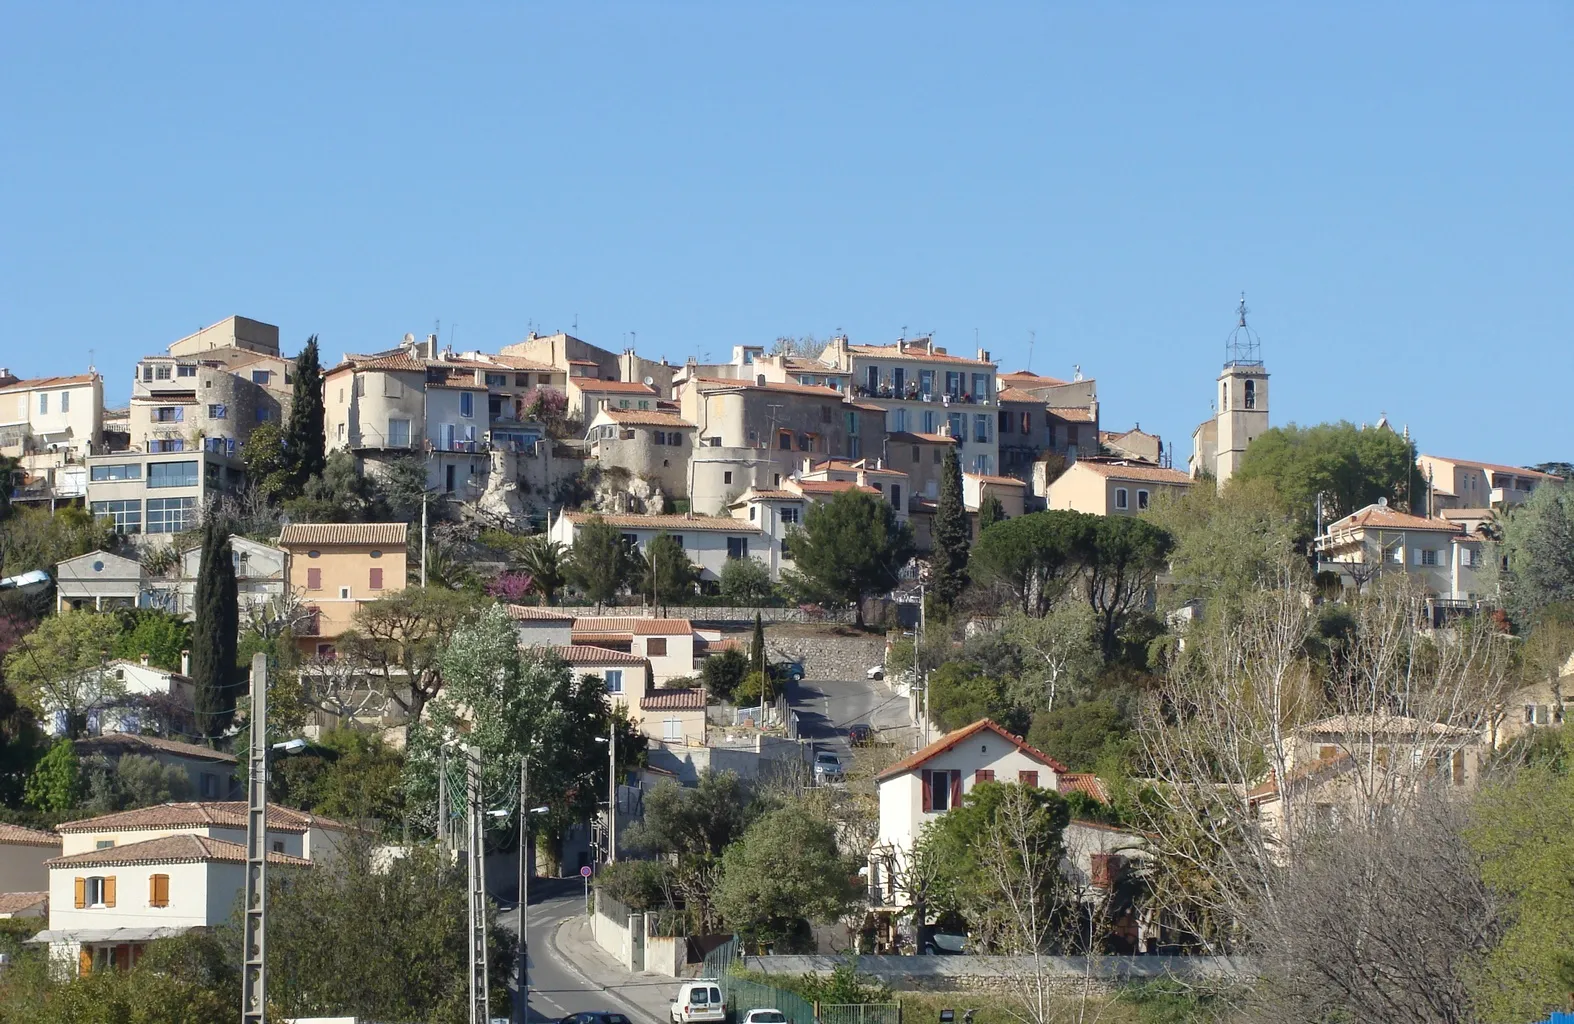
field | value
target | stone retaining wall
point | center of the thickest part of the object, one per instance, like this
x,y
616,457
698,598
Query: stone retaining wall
x,y
994,973
829,657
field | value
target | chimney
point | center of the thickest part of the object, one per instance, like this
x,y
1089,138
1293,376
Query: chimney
x,y
808,464
983,355
929,344
144,659
185,663
760,379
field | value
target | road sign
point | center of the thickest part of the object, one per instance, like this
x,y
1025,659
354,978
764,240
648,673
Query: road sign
x,y
585,871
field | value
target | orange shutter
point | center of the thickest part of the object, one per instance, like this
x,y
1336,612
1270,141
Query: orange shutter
x,y
84,961
109,890
158,890
81,893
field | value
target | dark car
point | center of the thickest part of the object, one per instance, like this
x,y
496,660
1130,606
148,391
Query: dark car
x,y
595,1017
791,671
860,735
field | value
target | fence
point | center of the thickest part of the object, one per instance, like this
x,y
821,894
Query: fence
x,y
860,1013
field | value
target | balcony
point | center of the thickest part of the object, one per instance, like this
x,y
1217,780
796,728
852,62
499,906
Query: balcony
x,y
911,393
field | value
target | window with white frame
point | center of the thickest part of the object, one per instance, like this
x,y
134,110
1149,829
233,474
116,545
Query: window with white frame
x,y
65,401
127,515
614,680
171,515
790,514
1120,497
43,403
398,433
672,729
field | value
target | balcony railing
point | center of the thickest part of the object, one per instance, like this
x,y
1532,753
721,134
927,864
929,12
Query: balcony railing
x,y
912,393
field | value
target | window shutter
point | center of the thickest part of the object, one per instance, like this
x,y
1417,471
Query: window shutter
x,y
1459,767
1415,556
313,579
377,579
84,961
81,893
159,896
923,780
109,890
984,775
1028,778
956,788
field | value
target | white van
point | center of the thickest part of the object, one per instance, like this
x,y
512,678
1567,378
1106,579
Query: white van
x,y
699,1001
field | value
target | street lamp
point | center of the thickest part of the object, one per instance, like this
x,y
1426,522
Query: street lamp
x,y
611,740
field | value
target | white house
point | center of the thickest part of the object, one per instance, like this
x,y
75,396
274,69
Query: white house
x,y
98,581
709,541
128,878
261,571
127,696
919,788
210,773
542,627
776,512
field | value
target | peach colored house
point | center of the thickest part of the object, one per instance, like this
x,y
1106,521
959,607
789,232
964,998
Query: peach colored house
x,y
334,568
1113,487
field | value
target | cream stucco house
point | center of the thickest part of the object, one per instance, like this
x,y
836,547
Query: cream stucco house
x,y
1437,554
50,425
1463,484
24,854
1112,487
337,567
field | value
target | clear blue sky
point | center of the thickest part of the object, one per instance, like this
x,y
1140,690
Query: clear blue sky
x,y
1391,186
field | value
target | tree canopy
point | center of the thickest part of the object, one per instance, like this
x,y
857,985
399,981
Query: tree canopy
x,y
1349,466
950,534
62,667
665,572
400,638
599,564
849,548
1035,557
305,438
1538,541
784,873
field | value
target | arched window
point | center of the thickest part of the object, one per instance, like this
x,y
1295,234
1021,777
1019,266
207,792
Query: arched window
x,y
1251,394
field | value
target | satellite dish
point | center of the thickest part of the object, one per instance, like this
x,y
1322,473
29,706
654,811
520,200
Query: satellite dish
x,y
650,381
409,339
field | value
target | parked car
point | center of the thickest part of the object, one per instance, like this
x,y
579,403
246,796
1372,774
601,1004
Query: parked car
x,y
876,672
792,671
859,734
595,1017
765,1017
828,767
698,1001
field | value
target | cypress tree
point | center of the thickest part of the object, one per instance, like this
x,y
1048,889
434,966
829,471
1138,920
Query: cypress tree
x,y
304,439
214,634
951,535
757,647
990,512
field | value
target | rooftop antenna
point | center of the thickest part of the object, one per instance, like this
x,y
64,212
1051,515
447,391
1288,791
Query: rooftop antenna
x,y
90,366
1032,339
576,323
904,333
1243,347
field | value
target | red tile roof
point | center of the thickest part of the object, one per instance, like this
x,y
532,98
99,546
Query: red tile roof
x,y
616,387
1084,782
126,742
16,902
832,486
1026,378
951,739
1383,517
180,849
17,835
852,466
728,383
907,437
521,363
217,813
1494,467
646,418
632,624
1072,415
1137,471
1009,394
675,523
983,478
49,382
307,534
586,654
673,700
528,613
400,362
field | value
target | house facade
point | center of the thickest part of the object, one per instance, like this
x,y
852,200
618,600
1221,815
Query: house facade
x,y
157,495
24,856
1112,487
100,581
50,425
1462,484
337,567
654,445
709,541
1437,554
210,773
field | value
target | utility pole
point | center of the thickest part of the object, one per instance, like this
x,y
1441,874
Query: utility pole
x,y
612,789
254,972
522,967
442,798
423,540
480,998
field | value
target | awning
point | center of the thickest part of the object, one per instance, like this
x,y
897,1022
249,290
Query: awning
x,y
106,934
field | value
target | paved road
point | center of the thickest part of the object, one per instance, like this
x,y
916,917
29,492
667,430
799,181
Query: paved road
x,y
827,707
557,987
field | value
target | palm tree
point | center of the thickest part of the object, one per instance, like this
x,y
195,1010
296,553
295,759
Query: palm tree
x,y
544,560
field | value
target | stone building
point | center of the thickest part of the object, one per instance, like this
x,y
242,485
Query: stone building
x,y
654,445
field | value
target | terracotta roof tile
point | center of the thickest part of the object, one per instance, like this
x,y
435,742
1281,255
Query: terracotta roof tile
x,y
217,813
984,478
179,849
951,739
917,352
853,466
1137,471
907,437
587,654
1018,395
813,487
677,523
646,418
1072,415
1026,378
18,835
16,902
37,383
1495,467
615,387
1084,782
521,363
809,390
302,534
125,741
1382,517
632,624
527,613
673,700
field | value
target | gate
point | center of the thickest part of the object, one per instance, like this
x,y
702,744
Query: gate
x,y
860,1013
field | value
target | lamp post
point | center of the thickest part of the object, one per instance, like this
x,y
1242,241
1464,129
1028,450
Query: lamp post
x,y
611,740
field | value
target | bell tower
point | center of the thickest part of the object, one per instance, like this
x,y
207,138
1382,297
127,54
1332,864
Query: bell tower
x,y
1242,398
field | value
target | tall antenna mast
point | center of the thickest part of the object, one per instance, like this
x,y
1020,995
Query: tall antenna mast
x,y
1032,339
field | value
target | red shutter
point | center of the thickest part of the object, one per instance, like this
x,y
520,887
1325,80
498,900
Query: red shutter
x,y
313,579
377,579
984,775
1028,778
956,788
928,790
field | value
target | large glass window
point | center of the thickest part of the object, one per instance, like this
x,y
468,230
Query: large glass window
x,y
184,371
126,514
614,678
171,515
981,426
123,472
399,433
161,371
169,414
466,404
172,474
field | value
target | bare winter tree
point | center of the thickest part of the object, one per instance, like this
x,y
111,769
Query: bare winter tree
x,y
1272,744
